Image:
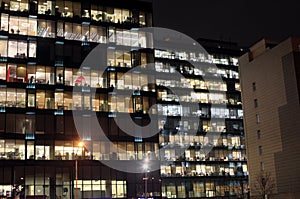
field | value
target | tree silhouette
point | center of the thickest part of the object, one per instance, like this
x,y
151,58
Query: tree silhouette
x,y
264,185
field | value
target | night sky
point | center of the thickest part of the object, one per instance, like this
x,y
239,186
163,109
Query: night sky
x,y
240,21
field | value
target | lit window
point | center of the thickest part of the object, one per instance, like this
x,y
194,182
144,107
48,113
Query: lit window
x,y
118,189
30,150
40,99
31,99
3,71
32,49
257,119
46,28
17,49
3,48
19,5
22,26
46,7
21,93
4,22
59,99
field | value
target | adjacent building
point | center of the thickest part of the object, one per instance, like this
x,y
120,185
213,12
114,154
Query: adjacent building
x,y
270,93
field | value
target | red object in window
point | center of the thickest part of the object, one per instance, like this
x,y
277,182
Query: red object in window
x,y
80,81
26,78
8,74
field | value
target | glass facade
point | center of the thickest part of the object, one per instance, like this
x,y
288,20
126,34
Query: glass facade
x,y
42,45
187,172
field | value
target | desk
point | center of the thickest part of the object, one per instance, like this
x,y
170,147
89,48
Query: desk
x,y
62,107
18,79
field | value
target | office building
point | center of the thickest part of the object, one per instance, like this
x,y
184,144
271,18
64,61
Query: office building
x,y
42,154
215,87
43,43
270,93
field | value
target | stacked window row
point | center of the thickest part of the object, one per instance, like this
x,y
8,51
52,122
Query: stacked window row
x,y
59,100
209,70
199,97
17,48
194,83
187,111
32,74
199,141
188,169
192,124
72,31
15,123
77,10
197,57
204,188
32,125
45,182
39,74
11,149
197,155
64,100
47,99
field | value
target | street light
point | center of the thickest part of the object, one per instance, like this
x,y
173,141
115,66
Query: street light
x,y
146,177
80,145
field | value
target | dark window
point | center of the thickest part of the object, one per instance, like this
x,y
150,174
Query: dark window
x,y
60,127
255,103
2,123
258,134
50,124
70,128
254,86
260,150
45,52
10,123
76,55
40,124
262,166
